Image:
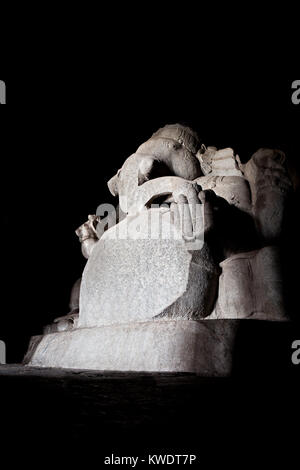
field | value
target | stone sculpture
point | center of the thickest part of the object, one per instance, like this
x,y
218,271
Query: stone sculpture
x,y
196,249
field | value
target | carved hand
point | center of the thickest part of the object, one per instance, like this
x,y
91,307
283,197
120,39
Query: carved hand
x,y
87,235
88,229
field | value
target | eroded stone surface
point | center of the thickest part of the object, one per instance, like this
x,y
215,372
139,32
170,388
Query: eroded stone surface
x,y
270,187
137,279
250,286
202,347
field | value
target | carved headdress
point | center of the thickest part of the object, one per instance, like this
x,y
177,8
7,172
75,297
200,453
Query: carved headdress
x,y
184,135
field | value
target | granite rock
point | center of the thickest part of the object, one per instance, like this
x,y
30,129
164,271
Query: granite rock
x,y
202,347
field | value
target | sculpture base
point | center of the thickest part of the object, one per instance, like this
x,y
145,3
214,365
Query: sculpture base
x,y
204,347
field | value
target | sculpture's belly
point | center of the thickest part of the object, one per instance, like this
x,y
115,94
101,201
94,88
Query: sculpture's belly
x,y
133,279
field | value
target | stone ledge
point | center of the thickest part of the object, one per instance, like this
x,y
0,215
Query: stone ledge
x,y
201,347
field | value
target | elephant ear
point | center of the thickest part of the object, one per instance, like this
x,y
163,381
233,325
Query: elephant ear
x,y
205,156
113,184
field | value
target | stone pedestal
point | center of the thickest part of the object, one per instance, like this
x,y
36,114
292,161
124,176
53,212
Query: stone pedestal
x,y
204,347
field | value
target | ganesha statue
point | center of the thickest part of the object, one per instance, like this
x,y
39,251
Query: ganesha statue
x,y
192,249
